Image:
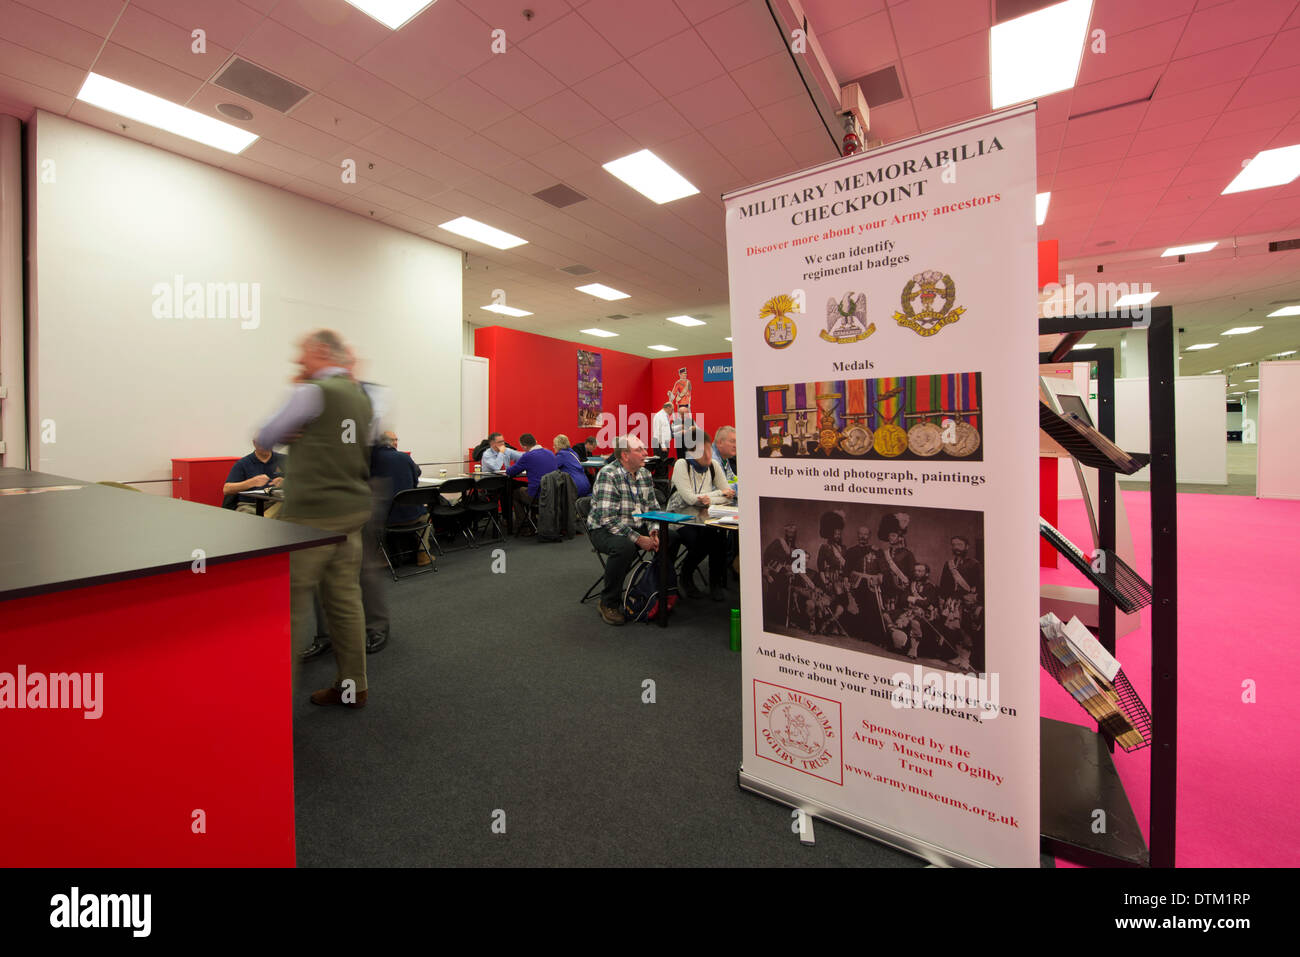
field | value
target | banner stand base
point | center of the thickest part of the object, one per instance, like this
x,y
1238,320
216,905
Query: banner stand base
x,y
869,829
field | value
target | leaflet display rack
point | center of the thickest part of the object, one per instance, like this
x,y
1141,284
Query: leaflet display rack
x,y
1078,770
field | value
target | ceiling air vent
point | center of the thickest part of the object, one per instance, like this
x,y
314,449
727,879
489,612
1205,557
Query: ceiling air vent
x,y
1283,245
254,83
559,196
617,315
881,87
577,269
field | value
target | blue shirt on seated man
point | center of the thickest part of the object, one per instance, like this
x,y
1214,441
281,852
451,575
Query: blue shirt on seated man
x,y
398,471
498,455
535,463
566,460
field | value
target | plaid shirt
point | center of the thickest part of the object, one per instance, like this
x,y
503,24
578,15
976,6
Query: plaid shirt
x,y
617,496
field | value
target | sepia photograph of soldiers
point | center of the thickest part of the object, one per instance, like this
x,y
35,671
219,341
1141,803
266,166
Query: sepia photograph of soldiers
x,y
902,583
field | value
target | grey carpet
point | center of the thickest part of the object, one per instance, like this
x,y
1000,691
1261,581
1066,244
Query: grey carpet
x,y
501,692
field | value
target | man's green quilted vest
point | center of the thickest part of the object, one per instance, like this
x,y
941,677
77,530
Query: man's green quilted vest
x,y
327,470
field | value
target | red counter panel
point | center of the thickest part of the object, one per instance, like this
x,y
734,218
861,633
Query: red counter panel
x,y
196,717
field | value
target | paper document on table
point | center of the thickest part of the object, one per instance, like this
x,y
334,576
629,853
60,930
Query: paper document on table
x,y
724,513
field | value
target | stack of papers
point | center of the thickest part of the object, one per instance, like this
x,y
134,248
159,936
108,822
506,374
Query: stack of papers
x,y
1088,673
729,514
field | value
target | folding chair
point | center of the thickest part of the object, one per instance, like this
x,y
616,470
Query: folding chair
x,y
485,503
457,515
583,510
427,497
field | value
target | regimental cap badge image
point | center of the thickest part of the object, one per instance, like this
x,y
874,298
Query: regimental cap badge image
x,y
929,287
780,329
846,319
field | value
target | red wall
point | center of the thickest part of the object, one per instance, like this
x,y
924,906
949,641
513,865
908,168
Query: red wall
x,y
714,401
533,385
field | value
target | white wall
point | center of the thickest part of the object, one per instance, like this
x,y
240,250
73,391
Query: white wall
x,y
1200,427
1279,411
127,391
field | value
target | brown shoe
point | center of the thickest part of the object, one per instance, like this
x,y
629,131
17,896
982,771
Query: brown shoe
x,y
612,616
335,696
423,558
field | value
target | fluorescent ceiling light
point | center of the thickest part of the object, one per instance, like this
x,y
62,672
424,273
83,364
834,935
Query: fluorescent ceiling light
x,y
1040,206
1086,345
163,114
1281,353
651,177
1039,53
1135,299
1188,250
1289,352
663,348
687,321
506,310
1285,311
1252,390
1211,372
482,233
1241,330
1242,365
603,333
1201,345
391,13
601,291
1269,168
1252,380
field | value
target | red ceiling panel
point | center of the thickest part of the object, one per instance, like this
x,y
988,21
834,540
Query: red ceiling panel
x,y
1126,52
738,38
516,79
712,102
618,91
633,27
1216,66
957,62
1122,16
960,102
678,63
1233,22
1098,127
922,24
859,48
565,115
1114,91
770,80
1207,101
657,123
570,49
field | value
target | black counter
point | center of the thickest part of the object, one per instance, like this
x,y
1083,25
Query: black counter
x,y
61,533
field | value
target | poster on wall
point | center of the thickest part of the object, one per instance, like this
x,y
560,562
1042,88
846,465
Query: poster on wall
x,y
590,389
883,311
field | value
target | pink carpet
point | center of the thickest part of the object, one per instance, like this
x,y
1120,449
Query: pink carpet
x,y
1238,763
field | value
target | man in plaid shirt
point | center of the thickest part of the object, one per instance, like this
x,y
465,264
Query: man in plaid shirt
x,y
623,488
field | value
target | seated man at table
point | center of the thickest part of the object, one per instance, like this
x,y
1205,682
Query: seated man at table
x,y
590,445
623,489
535,462
498,455
566,460
397,472
260,468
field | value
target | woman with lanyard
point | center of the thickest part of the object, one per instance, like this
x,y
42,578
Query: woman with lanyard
x,y
698,482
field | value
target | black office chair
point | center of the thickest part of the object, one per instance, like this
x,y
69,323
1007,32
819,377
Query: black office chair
x,y
427,497
456,515
485,503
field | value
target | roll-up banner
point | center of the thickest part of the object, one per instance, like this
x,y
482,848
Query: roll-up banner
x,y
883,314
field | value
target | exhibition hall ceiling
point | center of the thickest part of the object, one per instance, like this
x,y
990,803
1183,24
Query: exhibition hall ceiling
x,y
1171,98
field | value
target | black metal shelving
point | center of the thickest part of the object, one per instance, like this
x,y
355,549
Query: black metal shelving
x,y
1078,771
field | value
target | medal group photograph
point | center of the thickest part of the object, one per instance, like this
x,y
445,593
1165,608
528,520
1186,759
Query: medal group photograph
x,y
958,354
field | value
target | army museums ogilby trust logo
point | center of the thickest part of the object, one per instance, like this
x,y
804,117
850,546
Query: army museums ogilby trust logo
x,y
798,730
